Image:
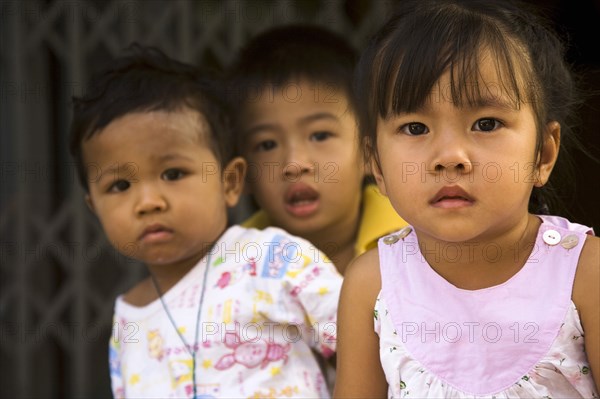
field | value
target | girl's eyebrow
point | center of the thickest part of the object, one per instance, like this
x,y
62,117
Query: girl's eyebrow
x,y
501,102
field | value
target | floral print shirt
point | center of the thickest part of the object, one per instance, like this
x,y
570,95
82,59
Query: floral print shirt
x,y
270,305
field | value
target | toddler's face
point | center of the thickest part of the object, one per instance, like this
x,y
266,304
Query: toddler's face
x,y
157,187
305,166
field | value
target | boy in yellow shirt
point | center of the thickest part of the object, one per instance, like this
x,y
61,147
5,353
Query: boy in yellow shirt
x,y
296,126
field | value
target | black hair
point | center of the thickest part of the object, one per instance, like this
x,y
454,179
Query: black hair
x,y
291,53
425,39
145,80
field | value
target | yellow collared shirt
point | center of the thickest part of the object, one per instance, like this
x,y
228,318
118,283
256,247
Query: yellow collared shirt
x,y
378,218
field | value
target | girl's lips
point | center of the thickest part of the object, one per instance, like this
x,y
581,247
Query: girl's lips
x,y
452,197
449,203
301,200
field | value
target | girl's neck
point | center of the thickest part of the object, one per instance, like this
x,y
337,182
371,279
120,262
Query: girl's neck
x,y
482,264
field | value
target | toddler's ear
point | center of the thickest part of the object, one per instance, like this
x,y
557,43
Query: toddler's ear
x,y
549,153
90,203
233,180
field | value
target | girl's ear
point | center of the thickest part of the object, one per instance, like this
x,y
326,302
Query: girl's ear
x,y
549,152
233,180
363,162
373,165
375,168
378,175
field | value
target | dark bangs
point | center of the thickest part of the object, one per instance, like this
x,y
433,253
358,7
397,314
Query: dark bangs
x,y
404,63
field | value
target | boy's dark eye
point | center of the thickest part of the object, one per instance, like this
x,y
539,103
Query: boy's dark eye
x,y
486,125
320,136
119,186
173,174
266,145
414,129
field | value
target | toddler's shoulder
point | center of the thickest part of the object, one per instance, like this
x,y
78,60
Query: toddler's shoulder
x,y
284,256
275,236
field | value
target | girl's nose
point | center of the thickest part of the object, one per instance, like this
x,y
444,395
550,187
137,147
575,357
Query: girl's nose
x,y
451,155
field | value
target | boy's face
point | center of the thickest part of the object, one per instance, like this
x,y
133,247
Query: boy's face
x,y
305,166
157,187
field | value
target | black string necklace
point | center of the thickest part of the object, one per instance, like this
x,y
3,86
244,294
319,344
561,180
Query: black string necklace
x,y
192,350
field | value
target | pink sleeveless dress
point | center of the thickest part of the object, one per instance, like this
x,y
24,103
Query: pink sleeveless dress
x,y
520,339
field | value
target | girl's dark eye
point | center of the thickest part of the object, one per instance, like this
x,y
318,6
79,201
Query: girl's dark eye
x,y
414,129
486,125
173,174
266,145
119,186
320,136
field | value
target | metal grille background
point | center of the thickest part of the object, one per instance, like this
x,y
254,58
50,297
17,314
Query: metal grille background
x,y
59,275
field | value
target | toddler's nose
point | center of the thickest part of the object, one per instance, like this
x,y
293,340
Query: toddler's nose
x,y
150,200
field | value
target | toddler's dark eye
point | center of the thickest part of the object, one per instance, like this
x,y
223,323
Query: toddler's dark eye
x,y
486,125
414,129
173,174
119,186
320,136
266,145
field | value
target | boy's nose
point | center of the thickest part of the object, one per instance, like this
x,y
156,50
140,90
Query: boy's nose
x,y
150,200
298,163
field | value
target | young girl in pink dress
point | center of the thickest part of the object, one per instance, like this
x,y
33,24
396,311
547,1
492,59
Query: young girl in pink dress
x,y
463,111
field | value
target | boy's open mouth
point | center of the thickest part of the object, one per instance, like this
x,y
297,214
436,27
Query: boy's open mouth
x,y
301,200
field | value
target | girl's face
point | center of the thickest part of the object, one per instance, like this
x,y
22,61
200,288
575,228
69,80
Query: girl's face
x,y
305,165
463,174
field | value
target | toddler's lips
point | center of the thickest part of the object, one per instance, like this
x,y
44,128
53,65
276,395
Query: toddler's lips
x,y
452,197
156,233
301,200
